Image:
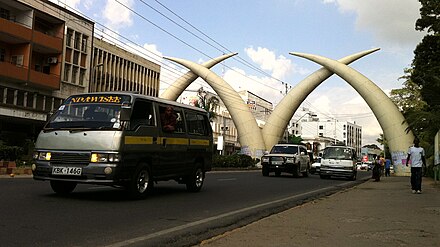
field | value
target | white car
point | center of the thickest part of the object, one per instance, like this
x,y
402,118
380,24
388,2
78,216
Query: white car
x,y
316,166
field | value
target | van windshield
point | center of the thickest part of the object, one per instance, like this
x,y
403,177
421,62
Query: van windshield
x,y
88,112
339,153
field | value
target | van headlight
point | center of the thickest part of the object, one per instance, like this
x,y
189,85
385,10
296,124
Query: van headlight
x,y
42,156
105,157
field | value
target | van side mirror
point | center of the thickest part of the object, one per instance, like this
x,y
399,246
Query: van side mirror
x,y
125,113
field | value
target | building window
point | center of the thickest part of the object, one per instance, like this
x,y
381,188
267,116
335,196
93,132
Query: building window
x,y
321,127
2,54
74,74
82,74
321,134
69,37
66,72
77,40
5,14
84,44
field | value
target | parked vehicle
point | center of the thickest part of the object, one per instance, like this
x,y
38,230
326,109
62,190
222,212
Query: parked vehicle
x,y
123,139
339,161
316,166
289,158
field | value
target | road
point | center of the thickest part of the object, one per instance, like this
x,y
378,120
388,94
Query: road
x,y
32,215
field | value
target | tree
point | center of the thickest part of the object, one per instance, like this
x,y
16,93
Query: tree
x,y
209,103
383,141
425,73
408,97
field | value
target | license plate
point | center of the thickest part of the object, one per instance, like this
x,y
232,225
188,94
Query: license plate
x,y
62,170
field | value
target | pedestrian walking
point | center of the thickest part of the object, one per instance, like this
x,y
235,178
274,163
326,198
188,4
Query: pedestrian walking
x,y
387,167
416,156
376,171
382,165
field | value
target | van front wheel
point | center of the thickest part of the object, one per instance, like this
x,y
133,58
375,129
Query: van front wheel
x,y
141,183
194,182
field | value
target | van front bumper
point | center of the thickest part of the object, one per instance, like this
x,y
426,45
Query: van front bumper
x,y
93,173
336,172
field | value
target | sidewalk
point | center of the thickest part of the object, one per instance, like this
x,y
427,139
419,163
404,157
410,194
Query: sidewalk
x,y
383,213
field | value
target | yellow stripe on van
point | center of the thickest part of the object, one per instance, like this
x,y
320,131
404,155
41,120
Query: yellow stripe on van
x,y
177,141
199,142
145,140
138,140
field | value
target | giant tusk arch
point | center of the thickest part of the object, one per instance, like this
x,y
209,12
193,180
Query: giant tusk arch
x,y
283,112
176,89
247,128
387,114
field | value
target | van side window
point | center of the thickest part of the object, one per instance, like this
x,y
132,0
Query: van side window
x,y
196,124
142,114
171,119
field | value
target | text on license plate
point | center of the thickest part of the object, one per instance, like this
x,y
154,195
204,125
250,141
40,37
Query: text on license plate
x,y
62,170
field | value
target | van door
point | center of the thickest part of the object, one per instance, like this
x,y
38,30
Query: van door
x,y
199,132
174,141
142,135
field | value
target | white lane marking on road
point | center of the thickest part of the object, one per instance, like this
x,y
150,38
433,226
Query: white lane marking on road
x,y
196,223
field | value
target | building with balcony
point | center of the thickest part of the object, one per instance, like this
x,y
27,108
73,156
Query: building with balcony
x,y
32,58
47,53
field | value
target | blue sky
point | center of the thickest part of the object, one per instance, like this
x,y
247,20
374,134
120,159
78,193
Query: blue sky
x,y
263,33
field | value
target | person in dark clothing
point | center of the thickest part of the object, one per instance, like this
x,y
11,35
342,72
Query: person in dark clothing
x,y
376,171
168,119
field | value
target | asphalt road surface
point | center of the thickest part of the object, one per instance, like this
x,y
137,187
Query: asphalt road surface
x,y
32,215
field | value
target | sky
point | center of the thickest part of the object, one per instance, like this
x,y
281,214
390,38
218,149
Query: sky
x,y
263,33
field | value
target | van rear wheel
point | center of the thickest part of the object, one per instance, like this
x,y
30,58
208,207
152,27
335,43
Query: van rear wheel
x,y
194,181
62,187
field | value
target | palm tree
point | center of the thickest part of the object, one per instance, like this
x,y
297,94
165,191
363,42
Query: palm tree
x,y
209,103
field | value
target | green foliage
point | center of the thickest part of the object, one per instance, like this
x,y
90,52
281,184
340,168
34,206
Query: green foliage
x,y
11,153
233,161
429,16
295,139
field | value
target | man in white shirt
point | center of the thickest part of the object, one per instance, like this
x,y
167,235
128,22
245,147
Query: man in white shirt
x,y
416,155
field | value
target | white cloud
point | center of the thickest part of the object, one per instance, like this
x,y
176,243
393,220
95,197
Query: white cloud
x,y
279,67
118,15
390,21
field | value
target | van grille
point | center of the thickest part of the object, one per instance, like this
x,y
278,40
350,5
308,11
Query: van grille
x,y
70,158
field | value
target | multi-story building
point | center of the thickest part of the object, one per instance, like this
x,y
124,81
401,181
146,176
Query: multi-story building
x,y
33,53
48,53
115,69
331,132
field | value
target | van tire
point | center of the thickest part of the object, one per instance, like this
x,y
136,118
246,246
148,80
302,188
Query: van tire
x,y
141,183
62,187
194,181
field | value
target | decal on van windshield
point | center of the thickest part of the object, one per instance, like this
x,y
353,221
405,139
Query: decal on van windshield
x,y
97,99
